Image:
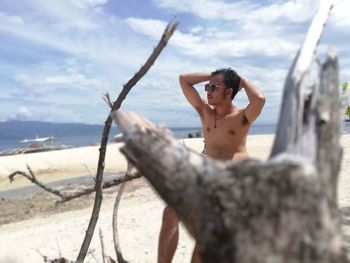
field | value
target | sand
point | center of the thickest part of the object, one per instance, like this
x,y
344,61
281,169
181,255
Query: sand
x,y
140,209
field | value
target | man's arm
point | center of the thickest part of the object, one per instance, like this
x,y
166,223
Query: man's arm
x,y
186,82
256,100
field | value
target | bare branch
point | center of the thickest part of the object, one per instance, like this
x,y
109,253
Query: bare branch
x,y
102,246
107,99
31,177
105,185
168,32
65,197
117,249
88,169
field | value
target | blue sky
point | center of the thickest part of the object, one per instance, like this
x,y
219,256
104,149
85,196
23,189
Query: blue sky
x,y
57,57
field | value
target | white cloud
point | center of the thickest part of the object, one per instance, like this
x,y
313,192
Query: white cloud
x,y
77,80
23,113
340,14
69,81
88,3
150,27
78,24
208,9
212,42
11,20
66,75
293,11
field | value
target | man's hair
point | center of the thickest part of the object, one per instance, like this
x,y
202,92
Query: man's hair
x,y
231,79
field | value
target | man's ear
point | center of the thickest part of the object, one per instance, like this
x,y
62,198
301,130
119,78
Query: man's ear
x,y
229,92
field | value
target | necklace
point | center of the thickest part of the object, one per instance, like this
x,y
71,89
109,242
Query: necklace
x,y
214,119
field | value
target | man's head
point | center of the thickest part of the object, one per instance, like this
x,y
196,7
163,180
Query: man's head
x,y
230,79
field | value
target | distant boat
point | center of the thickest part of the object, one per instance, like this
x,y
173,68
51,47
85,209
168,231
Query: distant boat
x,y
118,138
39,144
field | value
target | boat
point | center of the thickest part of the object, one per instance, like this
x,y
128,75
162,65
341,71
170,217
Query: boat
x,y
118,138
38,144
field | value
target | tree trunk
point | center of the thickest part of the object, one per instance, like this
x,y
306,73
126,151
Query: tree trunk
x,y
280,210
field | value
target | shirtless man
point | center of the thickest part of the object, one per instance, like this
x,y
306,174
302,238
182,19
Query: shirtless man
x,y
225,129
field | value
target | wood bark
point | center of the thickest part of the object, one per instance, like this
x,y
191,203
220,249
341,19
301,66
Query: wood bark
x,y
280,210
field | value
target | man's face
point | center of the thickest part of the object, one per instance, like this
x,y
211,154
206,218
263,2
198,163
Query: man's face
x,y
216,97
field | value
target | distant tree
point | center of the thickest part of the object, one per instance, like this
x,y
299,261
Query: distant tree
x,y
347,112
344,87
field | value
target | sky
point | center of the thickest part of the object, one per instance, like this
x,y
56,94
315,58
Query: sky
x,y
58,57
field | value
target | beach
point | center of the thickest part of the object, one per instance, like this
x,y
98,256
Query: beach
x,y
35,226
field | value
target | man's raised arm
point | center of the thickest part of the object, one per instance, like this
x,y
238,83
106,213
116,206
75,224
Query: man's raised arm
x,y
256,100
186,82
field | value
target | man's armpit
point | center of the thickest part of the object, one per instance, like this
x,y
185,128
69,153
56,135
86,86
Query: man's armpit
x,y
245,120
199,111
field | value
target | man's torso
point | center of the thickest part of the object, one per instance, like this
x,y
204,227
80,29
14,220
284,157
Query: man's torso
x,y
225,137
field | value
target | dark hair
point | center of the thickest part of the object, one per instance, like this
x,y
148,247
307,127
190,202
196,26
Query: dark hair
x,y
231,79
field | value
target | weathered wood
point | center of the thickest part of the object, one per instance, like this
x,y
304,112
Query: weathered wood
x,y
329,120
248,211
280,210
118,252
296,122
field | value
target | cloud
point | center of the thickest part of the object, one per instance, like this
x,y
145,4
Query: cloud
x,y
23,113
65,77
88,3
213,42
11,20
292,11
340,14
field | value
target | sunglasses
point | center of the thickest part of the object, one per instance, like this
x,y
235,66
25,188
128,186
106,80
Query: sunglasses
x,y
211,87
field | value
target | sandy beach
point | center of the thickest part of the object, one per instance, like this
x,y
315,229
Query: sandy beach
x,y
53,230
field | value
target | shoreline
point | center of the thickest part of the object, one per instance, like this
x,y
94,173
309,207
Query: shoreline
x,y
63,164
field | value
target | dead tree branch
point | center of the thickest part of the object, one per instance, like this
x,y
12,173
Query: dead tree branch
x,y
120,258
168,32
102,246
65,197
280,210
31,177
105,185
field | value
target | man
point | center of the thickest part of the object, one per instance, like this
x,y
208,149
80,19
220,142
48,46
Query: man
x,y
225,129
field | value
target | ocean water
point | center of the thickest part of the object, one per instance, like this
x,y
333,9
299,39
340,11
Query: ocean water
x,y
186,132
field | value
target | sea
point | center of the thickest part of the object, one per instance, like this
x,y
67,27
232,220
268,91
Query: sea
x,y
95,137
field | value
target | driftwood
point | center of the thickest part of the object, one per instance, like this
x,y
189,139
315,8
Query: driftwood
x,y
102,246
280,210
31,177
120,258
168,32
68,196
